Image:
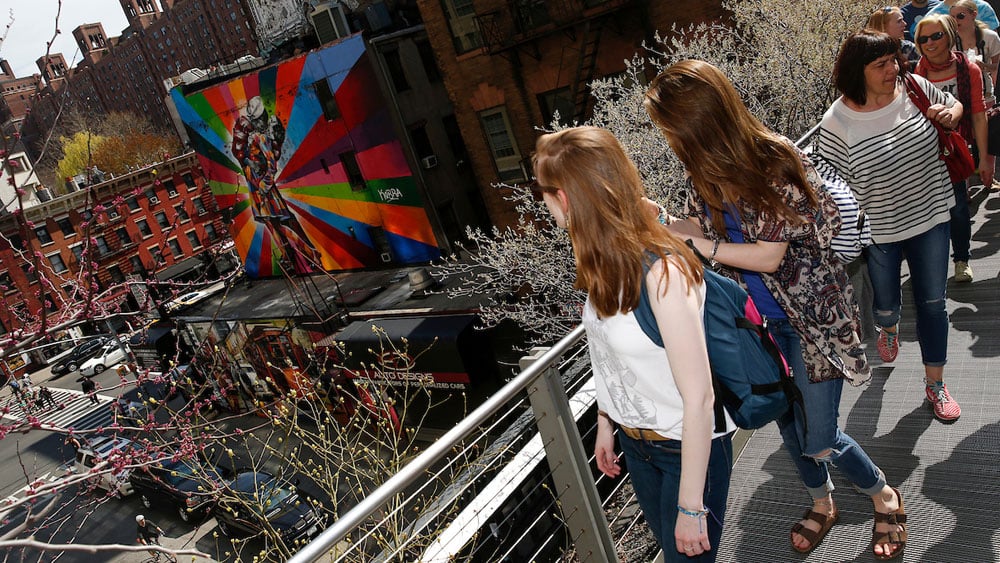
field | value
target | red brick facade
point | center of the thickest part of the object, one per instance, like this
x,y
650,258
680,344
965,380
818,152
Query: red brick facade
x,y
140,223
508,63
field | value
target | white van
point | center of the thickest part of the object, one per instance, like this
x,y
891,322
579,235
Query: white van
x,y
105,449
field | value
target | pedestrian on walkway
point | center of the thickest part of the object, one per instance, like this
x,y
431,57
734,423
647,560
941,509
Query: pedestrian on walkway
x,y
756,209
15,386
45,397
26,384
90,388
887,149
682,485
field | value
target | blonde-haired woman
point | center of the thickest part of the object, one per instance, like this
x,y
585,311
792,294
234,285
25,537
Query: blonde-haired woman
x,y
756,209
890,20
678,467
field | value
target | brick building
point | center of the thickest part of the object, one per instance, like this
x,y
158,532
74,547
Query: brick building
x,y
509,65
140,224
126,73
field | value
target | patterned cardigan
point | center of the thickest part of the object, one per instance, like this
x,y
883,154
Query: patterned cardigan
x,y
810,284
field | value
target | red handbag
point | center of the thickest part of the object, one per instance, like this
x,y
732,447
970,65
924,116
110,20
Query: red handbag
x,y
954,150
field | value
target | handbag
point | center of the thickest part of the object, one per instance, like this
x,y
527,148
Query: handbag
x,y
954,150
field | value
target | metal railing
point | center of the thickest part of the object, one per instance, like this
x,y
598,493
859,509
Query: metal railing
x,y
587,525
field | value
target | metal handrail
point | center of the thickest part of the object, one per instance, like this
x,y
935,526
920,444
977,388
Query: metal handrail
x,y
414,470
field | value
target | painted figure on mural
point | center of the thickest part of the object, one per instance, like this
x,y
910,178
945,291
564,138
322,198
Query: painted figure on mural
x,y
257,142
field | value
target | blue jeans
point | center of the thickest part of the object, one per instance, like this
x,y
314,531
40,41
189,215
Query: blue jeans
x,y
655,470
927,256
822,408
961,223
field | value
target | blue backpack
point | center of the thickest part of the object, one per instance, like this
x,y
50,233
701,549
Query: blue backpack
x,y
750,377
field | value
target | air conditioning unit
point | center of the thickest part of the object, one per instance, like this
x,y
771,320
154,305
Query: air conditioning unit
x,y
43,194
329,22
154,200
112,213
172,193
429,161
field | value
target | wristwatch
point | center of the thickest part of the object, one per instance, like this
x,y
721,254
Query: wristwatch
x,y
712,262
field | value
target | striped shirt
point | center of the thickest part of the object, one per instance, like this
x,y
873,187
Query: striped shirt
x,y
890,158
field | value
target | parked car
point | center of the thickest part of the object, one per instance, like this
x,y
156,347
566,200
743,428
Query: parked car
x,y
256,501
189,486
83,352
108,356
105,449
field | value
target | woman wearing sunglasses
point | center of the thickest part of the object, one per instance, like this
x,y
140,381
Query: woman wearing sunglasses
x,y
888,152
986,13
952,72
979,43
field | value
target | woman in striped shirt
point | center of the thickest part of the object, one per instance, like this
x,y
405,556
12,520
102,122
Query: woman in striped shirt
x,y
887,150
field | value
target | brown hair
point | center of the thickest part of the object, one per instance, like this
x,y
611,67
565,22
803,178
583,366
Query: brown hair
x,y
856,52
729,154
611,227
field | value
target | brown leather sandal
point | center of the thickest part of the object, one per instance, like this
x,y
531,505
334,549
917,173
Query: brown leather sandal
x,y
814,537
893,538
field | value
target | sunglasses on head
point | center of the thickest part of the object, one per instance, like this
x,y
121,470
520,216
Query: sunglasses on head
x,y
934,36
887,9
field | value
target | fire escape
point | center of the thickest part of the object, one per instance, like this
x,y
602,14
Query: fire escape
x,y
517,28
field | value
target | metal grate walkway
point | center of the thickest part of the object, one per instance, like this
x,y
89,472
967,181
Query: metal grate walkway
x,y
949,475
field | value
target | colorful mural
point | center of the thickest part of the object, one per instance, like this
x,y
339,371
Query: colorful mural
x,y
304,156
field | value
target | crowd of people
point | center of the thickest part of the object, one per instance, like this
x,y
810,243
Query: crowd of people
x,y
758,212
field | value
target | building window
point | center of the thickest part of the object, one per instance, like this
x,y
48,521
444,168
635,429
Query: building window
x,y
43,235
151,196
16,242
189,181
6,282
136,263
116,274
182,213
58,266
553,101
502,145
199,206
65,226
102,246
353,171
461,15
175,248
144,229
421,142
161,219
124,239
77,250
326,100
210,233
428,60
395,67
193,239
170,187
29,273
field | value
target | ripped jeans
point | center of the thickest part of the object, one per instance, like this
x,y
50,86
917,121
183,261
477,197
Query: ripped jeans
x,y
822,406
927,257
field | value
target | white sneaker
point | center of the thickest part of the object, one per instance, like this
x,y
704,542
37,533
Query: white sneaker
x,y
963,273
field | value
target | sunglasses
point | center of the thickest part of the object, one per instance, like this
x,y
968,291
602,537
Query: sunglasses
x,y
961,15
887,9
937,35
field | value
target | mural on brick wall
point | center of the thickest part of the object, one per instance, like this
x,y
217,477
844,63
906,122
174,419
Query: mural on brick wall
x,y
304,158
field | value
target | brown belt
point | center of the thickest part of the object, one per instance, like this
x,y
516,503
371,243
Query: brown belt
x,y
641,434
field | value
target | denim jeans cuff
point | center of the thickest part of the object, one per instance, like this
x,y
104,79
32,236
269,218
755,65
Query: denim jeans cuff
x,y
936,364
822,491
876,488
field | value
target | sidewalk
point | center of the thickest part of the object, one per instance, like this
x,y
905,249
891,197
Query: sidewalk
x,y
948,474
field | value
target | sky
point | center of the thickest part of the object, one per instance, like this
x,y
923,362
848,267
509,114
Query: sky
x,y
34,24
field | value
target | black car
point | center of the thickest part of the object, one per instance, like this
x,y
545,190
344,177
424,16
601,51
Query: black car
x,y
258,501
71,362
188,486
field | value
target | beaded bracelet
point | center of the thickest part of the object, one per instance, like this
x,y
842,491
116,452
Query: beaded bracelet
x,y
692,513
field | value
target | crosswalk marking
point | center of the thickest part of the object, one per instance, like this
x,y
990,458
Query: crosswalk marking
x,y
77,412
